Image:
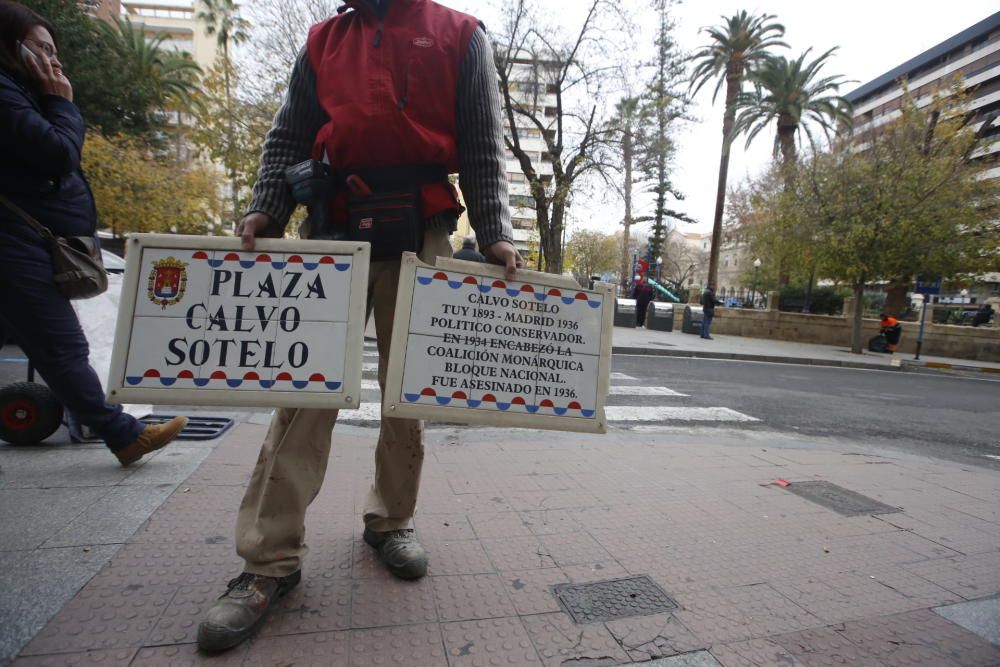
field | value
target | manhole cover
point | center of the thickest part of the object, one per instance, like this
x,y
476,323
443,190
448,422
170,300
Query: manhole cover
x,y
198,428
842,501
608,600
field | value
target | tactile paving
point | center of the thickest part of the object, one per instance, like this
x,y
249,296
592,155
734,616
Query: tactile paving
x,y
617,598
489,643
842,501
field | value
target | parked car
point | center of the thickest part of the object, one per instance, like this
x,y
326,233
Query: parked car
x,y
112,262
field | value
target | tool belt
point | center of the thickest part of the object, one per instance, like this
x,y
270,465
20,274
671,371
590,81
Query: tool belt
x,y
383,205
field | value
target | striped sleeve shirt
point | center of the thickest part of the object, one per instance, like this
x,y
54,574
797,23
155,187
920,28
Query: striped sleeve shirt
x,y
479,139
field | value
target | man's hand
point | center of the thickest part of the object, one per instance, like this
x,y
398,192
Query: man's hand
x,y
257,226
505,254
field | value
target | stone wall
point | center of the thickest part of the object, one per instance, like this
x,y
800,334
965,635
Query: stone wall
x,y
941,340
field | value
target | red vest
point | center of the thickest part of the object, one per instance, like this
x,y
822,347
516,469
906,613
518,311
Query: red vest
x,y
389,88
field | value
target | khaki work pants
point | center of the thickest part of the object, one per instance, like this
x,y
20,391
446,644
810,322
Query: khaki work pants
x,y
270,527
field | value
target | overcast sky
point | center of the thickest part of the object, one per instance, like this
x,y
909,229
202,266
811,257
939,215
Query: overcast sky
x,y
874,36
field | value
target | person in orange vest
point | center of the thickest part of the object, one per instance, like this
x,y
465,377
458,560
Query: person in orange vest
x,y
892,330
388,98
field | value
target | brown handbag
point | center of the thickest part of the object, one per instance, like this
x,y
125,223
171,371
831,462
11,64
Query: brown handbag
x,y
77,266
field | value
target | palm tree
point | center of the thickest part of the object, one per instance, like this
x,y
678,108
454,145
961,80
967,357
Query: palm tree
x,y
170,76
222,19
739,44
791,92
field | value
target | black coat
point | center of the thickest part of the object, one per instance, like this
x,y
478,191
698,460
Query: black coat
x,y
41,138
469,255
709,302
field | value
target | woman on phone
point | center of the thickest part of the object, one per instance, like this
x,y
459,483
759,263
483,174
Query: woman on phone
x,y
41,139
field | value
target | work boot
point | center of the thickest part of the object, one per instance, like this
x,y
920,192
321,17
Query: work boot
x,y
153,437
242,609
400,552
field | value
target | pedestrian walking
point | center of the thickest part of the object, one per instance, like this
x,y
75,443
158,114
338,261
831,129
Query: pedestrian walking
x,y
643,297
468,251
394,95
708,304
42,133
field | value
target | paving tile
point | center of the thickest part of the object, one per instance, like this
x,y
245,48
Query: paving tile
x,y
843,597
920,638
110,658
29,517
187,655
599,571
443,527
377,603
531,590
558,640
485,643
321,649
103,616
655,636
411,645
971,577
733,614
574,549
471,597
179,622
498,524
754,653
548,522
315,605
517,553
824,646
462,557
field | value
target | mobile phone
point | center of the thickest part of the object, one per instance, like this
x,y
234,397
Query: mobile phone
x,y
28,56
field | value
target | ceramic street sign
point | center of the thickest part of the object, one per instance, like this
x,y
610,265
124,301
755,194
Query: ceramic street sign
x,y
469,346
202,322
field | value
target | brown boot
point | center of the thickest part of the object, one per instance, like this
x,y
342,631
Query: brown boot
x,y
242,609
153,437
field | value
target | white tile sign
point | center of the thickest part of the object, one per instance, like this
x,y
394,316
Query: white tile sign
x,y
202,322
470,346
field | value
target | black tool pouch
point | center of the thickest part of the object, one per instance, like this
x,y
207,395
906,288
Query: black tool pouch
x,y
391,222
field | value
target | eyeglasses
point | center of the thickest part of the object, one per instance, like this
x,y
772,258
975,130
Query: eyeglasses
x,y
46,48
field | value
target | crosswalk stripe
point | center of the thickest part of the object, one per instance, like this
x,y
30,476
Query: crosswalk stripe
x,y
621,376
368,366
634,390
629,413
370,384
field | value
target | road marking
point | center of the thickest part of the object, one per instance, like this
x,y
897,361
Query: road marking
x,y
370,384
621,376
366,367
628,413
634,390
992,456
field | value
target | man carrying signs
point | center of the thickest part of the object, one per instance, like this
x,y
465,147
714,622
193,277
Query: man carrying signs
x,y
387,98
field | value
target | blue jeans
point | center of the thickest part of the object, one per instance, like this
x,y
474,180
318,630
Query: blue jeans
x,y
706,323
45,325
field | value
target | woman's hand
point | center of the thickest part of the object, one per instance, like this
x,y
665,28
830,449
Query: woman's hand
x,y
51,80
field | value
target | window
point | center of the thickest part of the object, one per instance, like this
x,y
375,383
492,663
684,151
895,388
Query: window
x,y
516,177
522,223
528,133
522,201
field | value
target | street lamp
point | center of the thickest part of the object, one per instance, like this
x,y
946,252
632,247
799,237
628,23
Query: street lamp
x,y
753,290
659,263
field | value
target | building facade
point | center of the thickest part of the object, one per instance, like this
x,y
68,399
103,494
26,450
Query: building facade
x,y
973,56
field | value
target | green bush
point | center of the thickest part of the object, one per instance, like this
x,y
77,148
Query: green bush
x,y
825,300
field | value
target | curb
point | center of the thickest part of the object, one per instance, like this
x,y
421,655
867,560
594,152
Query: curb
x,y
767,358
942,366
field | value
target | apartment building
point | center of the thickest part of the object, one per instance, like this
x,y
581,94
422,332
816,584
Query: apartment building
x,y
972,55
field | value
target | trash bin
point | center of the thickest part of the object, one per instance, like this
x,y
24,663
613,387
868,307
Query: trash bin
x,y
660,316
693,316
625,313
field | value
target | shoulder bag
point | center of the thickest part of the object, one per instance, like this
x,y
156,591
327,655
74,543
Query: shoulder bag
x,y
76,260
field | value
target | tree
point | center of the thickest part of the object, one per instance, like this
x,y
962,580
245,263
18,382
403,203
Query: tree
x,y
591,254
533,62
663,106
789,93
222,19
623,135
232,135
104,88
741,43
136,191
680,261
902,199
170,77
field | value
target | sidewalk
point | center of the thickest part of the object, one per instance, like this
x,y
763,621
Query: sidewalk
x,y
677,344
759,574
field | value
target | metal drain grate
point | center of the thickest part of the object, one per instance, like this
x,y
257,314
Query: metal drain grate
x,y
198,428
842,501
617,598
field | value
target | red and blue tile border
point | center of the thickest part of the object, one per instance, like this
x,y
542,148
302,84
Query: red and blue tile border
x,y
264,258
553,293
281,381
489,400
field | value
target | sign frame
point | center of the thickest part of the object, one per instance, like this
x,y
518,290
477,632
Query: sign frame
x,y
347,397
393,406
